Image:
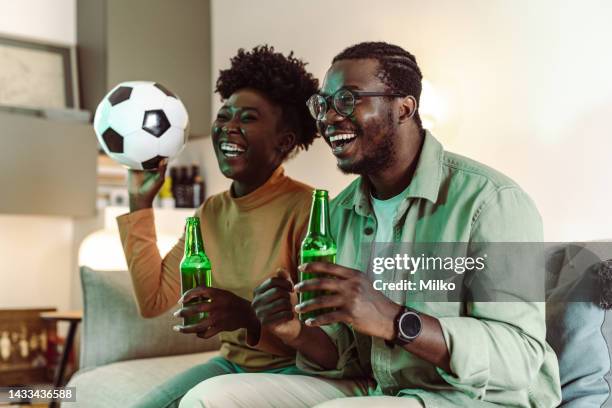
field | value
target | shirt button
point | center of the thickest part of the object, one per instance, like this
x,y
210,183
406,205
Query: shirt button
x,y
368,230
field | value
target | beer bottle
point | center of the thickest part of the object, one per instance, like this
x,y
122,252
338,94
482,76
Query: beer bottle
x,y
195,266
318,245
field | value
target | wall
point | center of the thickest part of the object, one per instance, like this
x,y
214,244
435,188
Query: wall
x,y
37,252
526,85
51,21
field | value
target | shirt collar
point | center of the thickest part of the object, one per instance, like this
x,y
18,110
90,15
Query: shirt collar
x,y
263,194
425,181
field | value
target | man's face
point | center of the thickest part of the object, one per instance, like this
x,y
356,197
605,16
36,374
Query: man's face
x,y
246,137
368,135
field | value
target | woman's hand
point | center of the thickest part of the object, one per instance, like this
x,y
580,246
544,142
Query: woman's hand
x,y
143,186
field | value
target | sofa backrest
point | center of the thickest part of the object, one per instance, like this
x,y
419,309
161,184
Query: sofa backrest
x,y
579,321
113,330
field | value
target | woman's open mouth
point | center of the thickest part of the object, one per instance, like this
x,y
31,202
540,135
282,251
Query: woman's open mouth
x,y
231,150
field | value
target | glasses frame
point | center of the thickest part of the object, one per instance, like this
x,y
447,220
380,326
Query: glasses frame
x,y
356,96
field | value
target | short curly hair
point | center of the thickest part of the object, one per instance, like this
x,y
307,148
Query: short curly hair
x,y
282,79
398,69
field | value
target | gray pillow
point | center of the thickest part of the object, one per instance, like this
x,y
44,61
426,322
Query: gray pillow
x,y
113,330
579,329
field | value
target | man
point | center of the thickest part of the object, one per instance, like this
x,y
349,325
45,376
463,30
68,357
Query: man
x,y
433,354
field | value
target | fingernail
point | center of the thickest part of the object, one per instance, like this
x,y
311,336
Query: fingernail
x,y
298,307
176,328
297,286
177,313
301,267
309,322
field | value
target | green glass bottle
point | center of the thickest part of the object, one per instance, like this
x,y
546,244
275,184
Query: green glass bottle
x,y
195,266
318,245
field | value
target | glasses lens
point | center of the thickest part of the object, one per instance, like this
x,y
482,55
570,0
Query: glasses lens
x,y
344,102
317,106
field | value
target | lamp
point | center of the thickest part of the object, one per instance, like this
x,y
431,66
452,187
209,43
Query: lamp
x,y
102,248
433,106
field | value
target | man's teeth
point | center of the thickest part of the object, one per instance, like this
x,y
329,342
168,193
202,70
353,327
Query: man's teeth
x,y
231,147
343,136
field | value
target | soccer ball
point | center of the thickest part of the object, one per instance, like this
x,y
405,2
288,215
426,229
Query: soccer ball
x,y
140,123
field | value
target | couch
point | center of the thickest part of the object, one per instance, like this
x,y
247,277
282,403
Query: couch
x,y
123,355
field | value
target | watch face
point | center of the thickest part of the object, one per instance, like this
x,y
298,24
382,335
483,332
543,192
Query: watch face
x,y
410,325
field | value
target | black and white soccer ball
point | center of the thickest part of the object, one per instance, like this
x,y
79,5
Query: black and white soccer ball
x,y
140,123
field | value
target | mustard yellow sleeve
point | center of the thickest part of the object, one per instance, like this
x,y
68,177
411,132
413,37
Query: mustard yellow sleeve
x,y
156,281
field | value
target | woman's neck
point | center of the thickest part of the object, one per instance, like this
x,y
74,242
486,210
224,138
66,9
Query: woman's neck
x,y
240,188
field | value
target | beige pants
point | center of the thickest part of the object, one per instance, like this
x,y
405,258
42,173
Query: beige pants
x,y
285,391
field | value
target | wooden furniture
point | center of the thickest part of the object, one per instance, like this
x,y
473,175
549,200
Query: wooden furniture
x,y
73,318
26,346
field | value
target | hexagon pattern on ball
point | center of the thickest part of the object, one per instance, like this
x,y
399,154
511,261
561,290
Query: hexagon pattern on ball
x,y
176,113
152,164
141,146
113,141
143,123
155,122
120,94
148,97
172,140
125,118
101,118
164,90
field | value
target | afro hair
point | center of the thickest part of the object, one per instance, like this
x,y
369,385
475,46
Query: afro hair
x,y
282,79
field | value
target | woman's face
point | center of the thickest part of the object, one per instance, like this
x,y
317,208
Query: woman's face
x,y
247,136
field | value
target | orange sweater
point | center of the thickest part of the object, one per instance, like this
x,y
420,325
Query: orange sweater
x,y
246,239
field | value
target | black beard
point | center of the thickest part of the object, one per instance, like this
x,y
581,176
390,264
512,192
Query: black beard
x,y
381,156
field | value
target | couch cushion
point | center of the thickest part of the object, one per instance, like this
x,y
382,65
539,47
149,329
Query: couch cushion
x,y
122,384
578,329
113,330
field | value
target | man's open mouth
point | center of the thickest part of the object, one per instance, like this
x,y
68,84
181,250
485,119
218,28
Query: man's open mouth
x,y
339,141
230,149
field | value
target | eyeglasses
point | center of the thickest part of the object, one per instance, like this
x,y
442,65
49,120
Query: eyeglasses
x,y
343,101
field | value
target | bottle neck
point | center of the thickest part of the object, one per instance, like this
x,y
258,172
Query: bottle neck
x,y
319,224
193,237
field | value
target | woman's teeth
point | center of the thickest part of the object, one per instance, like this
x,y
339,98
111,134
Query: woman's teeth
x,y
231,149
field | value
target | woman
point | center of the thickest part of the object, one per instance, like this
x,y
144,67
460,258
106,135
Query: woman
x,y
249,231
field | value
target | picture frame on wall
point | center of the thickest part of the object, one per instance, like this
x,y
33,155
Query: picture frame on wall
x,y
37,75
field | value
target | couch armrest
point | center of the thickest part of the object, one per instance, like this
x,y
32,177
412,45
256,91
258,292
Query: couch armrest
x,y
113,330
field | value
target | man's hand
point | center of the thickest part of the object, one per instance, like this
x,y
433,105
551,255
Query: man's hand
x,y
143,186
273,302
356,302
226,312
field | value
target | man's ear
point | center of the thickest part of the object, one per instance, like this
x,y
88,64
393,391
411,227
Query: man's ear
x,y
408,107
287,142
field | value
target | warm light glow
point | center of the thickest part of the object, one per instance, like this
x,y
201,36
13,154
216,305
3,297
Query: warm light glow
x,y
102,249
433,106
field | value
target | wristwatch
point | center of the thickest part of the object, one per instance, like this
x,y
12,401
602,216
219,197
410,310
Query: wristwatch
x,y
407,326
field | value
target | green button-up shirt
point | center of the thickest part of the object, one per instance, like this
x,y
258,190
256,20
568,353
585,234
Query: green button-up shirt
x,y
499,355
